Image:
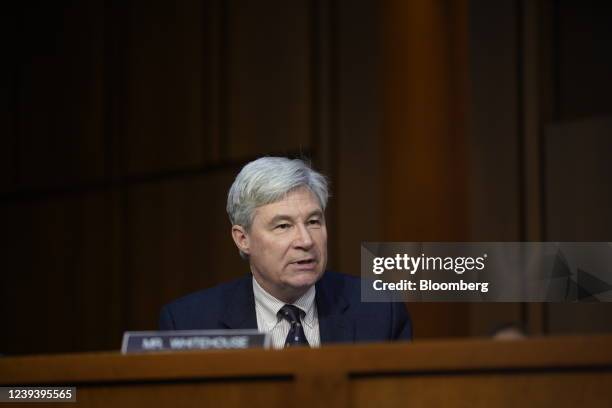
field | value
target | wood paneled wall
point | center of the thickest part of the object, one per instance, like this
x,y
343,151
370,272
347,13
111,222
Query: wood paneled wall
x,y
127,121
540,108
124,122
424,137
123,126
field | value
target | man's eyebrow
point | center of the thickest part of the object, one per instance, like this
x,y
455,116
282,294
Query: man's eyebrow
x,y
285,217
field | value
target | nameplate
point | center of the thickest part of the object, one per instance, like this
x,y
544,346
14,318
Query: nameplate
x,y
183,340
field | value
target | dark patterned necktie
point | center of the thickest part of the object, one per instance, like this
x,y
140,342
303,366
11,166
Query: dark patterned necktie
x,y
296,336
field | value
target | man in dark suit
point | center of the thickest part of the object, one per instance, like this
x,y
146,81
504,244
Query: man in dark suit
x,y
276,207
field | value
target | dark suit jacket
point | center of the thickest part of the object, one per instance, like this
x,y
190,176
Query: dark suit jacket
x,y
342,315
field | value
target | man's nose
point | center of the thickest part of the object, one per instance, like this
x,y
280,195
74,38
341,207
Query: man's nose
x,y
303,238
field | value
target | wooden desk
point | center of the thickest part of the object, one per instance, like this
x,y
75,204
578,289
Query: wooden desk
x,y
544,372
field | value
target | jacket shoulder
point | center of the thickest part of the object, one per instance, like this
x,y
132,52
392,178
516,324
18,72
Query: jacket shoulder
x,y
200,309
340,281
206,295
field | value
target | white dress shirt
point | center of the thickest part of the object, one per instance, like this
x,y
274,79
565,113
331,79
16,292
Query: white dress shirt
x,y
268,321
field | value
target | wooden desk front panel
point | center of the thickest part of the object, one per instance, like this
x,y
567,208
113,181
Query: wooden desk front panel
x,y
517,389
260,393
545,372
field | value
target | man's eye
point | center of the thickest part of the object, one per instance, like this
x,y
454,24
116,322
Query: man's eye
x,y
314,222
282,226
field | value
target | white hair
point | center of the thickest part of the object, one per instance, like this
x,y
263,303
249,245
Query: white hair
x,y
268,180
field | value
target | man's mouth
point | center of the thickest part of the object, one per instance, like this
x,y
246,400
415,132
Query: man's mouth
x,y
305,261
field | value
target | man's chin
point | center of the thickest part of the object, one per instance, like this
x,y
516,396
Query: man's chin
x,y
304,279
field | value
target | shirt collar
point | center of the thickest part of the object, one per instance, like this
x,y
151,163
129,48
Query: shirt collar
x,y
270,305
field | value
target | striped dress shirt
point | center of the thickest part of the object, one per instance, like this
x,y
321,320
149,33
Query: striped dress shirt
x,y
268,321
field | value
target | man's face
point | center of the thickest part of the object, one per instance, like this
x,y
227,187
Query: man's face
x,y
287,244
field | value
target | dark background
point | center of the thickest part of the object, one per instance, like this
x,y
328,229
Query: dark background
x,y
123,124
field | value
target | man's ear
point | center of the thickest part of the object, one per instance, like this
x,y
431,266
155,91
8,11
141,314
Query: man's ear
x,y
241,238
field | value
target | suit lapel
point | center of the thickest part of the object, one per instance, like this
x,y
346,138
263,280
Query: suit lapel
x,y
240,306
334,325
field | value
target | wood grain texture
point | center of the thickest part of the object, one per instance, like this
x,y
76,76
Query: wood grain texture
x,y
555,353
60,271
60,120
272,393
424,167
8,100
179,242
493,144
269,77
168,87
549,372
578,201
554,390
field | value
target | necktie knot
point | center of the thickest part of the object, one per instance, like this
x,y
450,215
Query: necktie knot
x,y
291,313
296,335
